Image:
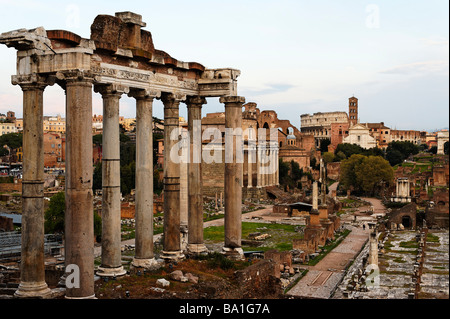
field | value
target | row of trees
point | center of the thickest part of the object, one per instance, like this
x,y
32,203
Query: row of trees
x,y
395,153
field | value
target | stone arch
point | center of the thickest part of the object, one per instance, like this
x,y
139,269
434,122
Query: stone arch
x,y
407,221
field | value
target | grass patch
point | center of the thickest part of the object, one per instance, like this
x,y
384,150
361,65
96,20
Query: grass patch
x,y
432,238
399,260
409,244
281,235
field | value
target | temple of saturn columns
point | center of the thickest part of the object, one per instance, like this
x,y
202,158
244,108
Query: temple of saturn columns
x,y
119,58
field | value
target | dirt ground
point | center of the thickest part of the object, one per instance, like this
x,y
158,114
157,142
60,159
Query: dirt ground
x,y
214,282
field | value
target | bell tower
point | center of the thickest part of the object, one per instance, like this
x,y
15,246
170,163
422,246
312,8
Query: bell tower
x,y
352,110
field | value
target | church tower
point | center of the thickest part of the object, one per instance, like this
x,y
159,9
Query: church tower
x,y
352,110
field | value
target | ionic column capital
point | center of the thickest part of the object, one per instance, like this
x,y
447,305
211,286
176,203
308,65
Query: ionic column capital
x,y
75,76
141,94
172,99
32,81
111,89
195,101
232,100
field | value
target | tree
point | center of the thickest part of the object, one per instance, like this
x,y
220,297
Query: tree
x,y
97,178
54,215
372,173
13,140
348,178
328,157
366,174
349,149
394,157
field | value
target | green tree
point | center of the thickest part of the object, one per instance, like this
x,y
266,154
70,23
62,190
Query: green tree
x,y
328,157
97,179
373,173
339,156
349,149
54,215
366,174
348,178
13,140
394,157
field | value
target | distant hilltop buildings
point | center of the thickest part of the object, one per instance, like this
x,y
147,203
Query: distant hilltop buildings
x,y
342,127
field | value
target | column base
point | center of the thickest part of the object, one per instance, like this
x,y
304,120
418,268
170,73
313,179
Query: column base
x,y
172,255
87,297
233,253
146,263
111,272
33,290
196,249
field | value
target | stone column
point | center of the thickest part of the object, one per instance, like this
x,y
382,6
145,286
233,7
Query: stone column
x,y
172,240
144,255
258,166
195,194
111,222
233,180
79,217
373,249
277,167
32,269
249,165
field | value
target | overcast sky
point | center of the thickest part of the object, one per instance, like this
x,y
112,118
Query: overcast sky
x,y
295,56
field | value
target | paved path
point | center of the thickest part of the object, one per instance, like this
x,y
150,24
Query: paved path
x,y
322,279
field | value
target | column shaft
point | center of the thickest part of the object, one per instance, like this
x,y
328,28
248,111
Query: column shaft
x,y
79,220
195,194
172,240
233,180
32,269
111,225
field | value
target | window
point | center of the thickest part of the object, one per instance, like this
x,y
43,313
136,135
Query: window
x,y
53,145
359,138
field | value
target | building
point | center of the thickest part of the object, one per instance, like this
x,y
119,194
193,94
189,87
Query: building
x,y
6,128
416,137
54,150
55,124
441,138
359,134
320,124
380,132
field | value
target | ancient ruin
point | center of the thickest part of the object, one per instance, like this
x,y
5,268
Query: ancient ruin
x,y
119,58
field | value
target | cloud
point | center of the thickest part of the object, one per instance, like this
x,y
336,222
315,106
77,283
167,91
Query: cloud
x,y
266,89
418,68
435,41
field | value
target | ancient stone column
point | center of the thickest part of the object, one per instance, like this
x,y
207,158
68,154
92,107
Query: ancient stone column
x,y
79,217
144,255
195,194
111,222
277,167
172,240
32,269
249,165
373,249
258,166
233,179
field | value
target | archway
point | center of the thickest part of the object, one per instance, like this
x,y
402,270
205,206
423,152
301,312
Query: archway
x,y
406,221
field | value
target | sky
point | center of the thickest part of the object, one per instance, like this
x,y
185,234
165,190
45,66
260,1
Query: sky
x,y
295,56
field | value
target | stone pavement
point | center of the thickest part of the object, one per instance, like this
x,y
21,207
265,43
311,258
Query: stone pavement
x,y
323,278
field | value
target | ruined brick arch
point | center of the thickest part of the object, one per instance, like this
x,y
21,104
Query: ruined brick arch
x,y
266,125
